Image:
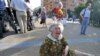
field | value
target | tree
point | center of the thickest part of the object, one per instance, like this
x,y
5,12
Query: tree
x,y
95,15
77,11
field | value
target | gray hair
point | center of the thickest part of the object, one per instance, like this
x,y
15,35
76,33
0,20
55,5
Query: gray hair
x,y
51,28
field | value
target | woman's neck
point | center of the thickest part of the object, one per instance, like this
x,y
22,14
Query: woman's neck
x,y
55,37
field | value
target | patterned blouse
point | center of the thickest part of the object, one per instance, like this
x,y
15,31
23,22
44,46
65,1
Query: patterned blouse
x,y
54,48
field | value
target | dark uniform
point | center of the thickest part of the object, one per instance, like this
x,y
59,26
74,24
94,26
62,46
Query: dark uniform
x,y
2,13
9,16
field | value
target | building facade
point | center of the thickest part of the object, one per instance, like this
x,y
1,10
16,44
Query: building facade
x,y
67,4
71,4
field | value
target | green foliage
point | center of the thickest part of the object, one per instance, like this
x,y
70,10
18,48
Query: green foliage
x,y
78,9
95,15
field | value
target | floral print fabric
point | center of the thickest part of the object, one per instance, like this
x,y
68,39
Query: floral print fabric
x,y
53,48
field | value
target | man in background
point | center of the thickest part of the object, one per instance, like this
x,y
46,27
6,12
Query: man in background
x,y
21,8
85,15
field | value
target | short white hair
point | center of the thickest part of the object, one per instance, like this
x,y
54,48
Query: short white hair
x,y
51,28
60,4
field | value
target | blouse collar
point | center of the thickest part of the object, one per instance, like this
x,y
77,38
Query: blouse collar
x,y
52,38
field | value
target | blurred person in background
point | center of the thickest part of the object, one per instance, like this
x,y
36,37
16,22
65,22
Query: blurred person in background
x,y
21,12
58,12
29,15
9,18
85,16
2,14
43,17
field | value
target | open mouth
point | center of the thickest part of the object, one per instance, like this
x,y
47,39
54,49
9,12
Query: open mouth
x,y
58,33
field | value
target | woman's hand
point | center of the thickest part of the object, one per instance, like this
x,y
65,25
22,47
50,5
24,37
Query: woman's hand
x,y
66,50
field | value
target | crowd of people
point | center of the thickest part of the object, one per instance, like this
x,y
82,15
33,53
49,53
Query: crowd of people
x,y
18,13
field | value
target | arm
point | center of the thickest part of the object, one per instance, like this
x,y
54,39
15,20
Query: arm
x,y
81,13
28,5
65,47
66,51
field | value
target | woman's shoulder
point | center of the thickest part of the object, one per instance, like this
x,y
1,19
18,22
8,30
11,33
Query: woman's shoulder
x,y
48,40
46,43
63,40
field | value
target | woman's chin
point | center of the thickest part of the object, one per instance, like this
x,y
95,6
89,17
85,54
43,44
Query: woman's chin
x,y
57,35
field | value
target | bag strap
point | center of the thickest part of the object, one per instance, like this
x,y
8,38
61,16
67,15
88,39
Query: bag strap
x,y
84,12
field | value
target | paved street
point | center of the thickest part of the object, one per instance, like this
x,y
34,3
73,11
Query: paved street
x,y
28,44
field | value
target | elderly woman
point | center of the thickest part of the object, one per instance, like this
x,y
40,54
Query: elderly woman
x,y
55,44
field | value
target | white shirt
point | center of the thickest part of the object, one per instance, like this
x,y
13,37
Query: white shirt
x,y
6,3
19,5
29,5
86,12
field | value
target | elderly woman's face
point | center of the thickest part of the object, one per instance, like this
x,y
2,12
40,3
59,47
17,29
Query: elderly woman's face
x,y
56,31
